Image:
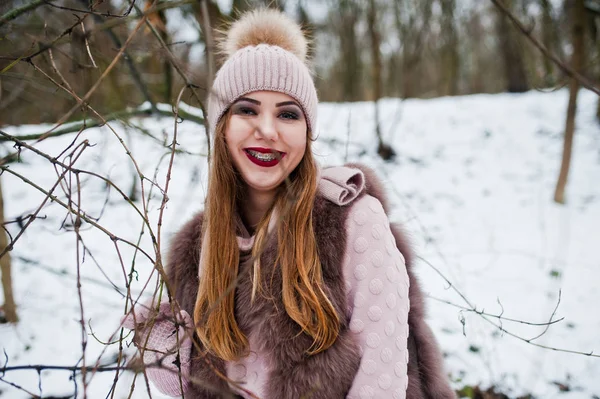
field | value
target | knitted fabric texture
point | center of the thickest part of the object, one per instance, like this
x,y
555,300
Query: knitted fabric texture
x,y
159,339
257,68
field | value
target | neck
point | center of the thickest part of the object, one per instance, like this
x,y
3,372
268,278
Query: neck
x,y
254,207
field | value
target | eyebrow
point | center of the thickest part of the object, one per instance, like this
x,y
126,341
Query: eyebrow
x,y
287,103
250,100
281,104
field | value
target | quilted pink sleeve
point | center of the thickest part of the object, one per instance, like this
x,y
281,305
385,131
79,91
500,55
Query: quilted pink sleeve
x,y
377,283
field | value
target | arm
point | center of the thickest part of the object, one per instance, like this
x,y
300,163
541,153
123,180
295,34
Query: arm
x,y
163,339
375,271
158,334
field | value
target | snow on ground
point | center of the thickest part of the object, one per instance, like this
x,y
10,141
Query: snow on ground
x,y
472,183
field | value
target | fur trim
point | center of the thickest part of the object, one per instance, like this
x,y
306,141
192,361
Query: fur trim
x,y
266,26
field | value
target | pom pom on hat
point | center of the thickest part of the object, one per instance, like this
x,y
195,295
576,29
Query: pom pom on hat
x,y
266,26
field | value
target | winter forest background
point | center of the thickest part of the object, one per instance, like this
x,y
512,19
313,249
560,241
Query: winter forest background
x,y
481,116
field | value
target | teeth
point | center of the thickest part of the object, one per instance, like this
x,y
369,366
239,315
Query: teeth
x,y
262,156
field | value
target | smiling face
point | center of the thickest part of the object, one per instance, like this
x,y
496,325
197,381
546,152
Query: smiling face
x,y
266,136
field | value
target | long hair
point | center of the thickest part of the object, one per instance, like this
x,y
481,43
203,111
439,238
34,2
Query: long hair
x,y
302,290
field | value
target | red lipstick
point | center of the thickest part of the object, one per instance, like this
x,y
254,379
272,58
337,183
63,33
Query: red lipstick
x,y
264,157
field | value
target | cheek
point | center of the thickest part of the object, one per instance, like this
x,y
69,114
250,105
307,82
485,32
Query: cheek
x,y
236,132
296,141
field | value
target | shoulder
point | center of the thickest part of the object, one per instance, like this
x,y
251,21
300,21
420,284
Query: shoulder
x,y
184,250
348,192
367,224
343,185
188,239
182,262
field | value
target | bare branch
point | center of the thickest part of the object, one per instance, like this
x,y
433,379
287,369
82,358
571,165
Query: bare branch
x,y
499,316
14,13
64,205
564,67
73,127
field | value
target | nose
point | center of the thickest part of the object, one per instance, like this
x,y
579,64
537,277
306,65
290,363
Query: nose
x,y
266,128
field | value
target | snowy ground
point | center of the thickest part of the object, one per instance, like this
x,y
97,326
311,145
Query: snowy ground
x,y
473,184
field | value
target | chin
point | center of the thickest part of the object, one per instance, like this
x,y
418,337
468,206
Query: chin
x,y
262,186
258,184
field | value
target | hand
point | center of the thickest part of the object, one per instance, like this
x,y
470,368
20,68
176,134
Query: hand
x,y
157,335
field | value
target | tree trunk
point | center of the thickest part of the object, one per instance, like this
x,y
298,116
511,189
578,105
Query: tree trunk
x,y
375,52
209,21
476,53
350,67
576,64
547,38
412,20
514,65
10,309
450,60
385,151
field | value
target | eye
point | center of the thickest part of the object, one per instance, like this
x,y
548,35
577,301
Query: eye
x,y
289,115
244,110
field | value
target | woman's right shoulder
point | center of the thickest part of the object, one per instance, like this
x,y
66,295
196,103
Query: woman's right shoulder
x,y
189,234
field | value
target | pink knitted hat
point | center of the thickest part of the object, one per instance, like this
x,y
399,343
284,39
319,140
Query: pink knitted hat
x,y
266,51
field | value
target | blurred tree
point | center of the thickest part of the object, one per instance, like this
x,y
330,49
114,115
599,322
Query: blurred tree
x,y
9,307
346,16
593,8
385,151
210,18
412,20
474,28
427,48
308,28
159,20
240,6
449,50
577,62
548,39
512,53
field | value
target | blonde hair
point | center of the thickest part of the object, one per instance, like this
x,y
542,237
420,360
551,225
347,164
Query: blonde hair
x,y
302,288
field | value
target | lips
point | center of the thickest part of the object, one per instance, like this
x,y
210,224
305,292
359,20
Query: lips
x,y
264,157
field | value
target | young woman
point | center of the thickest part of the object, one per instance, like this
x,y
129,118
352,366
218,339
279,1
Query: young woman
x,y
297,284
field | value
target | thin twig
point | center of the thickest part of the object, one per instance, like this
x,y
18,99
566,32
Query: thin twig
x,y
76,126
49,195
87,45
54,198
527,32
91,91
551,317
88,12
16,12
499,316
133,71
183,75
501,328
